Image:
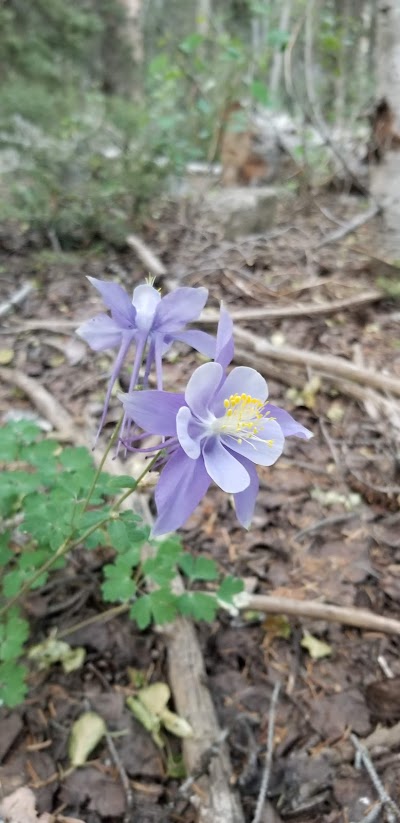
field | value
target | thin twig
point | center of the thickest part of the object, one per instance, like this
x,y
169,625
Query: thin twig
x,y
373,814
349,227
327,522
55,326
146,255
346,615
389,407
16,299
44,402
268,756
323,363
123,777
392,809
299,309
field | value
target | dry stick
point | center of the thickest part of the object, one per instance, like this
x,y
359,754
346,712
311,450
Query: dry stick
x,y
346,615
299,310
349,227
46,404
388,407
373,814
324,363
270,604
146,255
16,298
392,809
268,757
123,777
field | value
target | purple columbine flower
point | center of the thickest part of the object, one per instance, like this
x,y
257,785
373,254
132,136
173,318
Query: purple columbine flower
x,y
147,320
219,430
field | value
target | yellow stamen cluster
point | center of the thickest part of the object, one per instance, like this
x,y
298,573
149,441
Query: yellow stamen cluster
x,y
242,413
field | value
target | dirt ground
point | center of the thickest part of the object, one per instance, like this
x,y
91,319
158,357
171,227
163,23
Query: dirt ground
x,y
326,527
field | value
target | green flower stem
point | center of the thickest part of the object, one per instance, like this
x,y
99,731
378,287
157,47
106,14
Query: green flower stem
x,y
96,618
145,471
101,464
68,546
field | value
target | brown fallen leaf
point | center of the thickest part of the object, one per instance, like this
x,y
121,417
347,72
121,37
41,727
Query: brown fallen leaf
x,y
20,807
383,699
61,819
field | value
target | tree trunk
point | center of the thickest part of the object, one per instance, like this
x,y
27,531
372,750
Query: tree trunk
x,y
385,174
277,65
203,17
133,10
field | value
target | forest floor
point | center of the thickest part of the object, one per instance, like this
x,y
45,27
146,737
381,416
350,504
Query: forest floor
x,y
326,528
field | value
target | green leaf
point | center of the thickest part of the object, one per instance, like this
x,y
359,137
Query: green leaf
x,y
76,459
13,634
8,445
12,684
41,453
163,606
141,612
95,539
170,549
159,573
13,582
229,587
191,43
5,553
198,605
119,586
198,568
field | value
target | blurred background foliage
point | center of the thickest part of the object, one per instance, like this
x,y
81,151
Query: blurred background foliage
x,y
103,102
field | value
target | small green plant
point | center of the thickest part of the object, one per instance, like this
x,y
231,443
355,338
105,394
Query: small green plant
x,y
52,501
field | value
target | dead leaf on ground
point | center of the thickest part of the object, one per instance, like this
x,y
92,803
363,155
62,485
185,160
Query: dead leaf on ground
x,y
94,790
10,727
383,699
20,807
330,716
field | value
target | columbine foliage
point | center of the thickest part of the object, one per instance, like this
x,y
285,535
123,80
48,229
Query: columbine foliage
x,y
43,493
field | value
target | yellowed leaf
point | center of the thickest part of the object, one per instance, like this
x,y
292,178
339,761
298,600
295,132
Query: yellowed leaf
x,y
86,733
6,357
316,648
155,697
52,651
175,724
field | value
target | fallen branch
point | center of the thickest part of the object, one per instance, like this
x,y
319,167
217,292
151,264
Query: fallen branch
x,y
44,402
16,299
146,255
349,227
45,325
324,363
390,408
300,309
346,615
